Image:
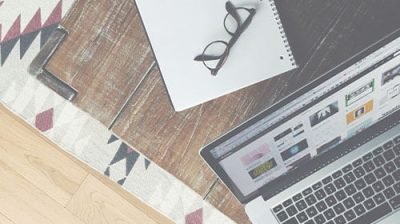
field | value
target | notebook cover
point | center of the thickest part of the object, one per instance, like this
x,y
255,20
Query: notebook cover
x,y
179,30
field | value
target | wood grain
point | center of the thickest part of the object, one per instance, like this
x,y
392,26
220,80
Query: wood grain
x,y
352,28
18,139
172,140
5,220
23,203
94,203
36,160
104,57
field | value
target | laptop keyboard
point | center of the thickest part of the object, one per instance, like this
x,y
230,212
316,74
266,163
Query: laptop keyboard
x,y
361,192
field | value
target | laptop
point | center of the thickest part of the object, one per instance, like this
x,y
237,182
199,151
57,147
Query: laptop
x,y
328,153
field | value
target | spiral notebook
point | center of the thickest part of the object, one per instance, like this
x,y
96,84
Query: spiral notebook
x,y
180,30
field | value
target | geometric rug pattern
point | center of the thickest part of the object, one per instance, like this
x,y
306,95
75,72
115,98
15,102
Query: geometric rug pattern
x,y
24,28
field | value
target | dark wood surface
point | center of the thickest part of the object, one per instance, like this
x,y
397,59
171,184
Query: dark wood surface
x,y
322,34
104,57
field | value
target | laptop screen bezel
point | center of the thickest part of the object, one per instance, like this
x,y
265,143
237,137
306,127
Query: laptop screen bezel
x,y
205,152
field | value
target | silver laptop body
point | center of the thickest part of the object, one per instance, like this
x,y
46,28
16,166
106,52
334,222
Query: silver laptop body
x,y
282,163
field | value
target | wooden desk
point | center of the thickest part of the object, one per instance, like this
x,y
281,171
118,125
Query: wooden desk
x,y
106,58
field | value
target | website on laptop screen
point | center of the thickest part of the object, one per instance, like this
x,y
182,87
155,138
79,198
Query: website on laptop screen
x,y
315,122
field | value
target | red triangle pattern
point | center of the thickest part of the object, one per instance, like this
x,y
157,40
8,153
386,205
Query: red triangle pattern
x,y
195,217
34,25
55,16
15,30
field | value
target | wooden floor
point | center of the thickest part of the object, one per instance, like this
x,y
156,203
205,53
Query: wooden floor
x,y
40,183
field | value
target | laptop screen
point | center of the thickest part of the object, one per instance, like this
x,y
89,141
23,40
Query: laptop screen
x,y
313,123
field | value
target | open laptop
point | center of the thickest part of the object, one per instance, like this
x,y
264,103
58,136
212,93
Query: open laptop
x,y
329,153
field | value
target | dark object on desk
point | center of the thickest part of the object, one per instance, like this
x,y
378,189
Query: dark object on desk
x,y
208,54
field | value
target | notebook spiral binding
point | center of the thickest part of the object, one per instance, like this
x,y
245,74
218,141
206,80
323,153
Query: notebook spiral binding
x,y
282,32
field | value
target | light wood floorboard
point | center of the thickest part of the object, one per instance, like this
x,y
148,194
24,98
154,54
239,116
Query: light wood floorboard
x,y
40,184
5,220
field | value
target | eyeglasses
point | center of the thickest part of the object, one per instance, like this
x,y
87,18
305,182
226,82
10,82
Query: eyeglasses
x,y
216,53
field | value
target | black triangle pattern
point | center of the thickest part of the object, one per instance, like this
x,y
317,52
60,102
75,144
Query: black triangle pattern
x,y
6,49
25,43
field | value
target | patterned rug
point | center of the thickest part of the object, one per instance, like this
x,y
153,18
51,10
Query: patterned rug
x,y
24,28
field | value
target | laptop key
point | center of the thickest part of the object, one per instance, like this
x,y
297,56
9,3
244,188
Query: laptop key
x,y
378,186
397,140
388,180
297,197
319,219
396,149
339,208
395,202
339,183
358,197
330,188
369,204
327,180
307,191
311,200
329,214
321,206
347,168
380,172
287,202
360,184
357,162
396,175
388,145
278,208
301,205
311,212
302,217
340,220
337,174
359,172
379,198
373,215
330,200
320,194
291,210
317,186
379,160
340,195
359,209
368,166
282,216
350,215
348,203
390,166
349,177
292,221
367,157
389,193
368,192
350,189
377,151
310,222
389,155
397,187
370,178
397,162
